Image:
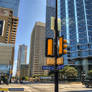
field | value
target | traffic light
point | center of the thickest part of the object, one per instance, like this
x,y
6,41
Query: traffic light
x,y
49,47
62,46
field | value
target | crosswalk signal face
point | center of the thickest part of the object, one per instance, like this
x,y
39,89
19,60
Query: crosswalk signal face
x,y
49,47
62,46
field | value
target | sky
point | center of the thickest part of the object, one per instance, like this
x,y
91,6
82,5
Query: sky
x,y
30,11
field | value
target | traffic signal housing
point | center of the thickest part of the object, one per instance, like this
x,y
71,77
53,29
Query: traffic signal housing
x,y
49,47
62,46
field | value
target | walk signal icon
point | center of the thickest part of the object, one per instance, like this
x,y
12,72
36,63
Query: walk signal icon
x,y
51,61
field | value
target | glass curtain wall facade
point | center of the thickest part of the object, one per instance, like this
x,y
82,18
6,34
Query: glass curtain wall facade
x,y
50,12
76,18
12,4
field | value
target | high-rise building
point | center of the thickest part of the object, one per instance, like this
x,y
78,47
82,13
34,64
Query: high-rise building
x,y
37,49
24,70
6,57
22,56
11,4
8,26
8,20
76,27
50,11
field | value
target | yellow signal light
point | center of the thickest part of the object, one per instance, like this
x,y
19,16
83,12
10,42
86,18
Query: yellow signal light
x,y
64,41
64,51
65,46
50,47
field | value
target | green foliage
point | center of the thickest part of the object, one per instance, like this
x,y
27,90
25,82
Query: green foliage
x,y
26,78
68,72
51,73
90,73
23,78
34,76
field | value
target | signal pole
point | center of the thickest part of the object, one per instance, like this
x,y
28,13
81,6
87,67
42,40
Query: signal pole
x,y
56,52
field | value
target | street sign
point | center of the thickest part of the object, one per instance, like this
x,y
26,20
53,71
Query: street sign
x,y
52,67
47,67
60,67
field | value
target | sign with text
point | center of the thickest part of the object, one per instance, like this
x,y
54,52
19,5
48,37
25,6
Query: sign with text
x,y
52,67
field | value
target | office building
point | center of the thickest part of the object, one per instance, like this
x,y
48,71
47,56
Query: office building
x,y
50,12
24,70
37,49
8,26
22,56
6,57
76,28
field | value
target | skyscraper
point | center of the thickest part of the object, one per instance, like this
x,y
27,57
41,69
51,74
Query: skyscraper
x,y
76,28
22,56
8,28
8,20
50,11
11,4
37,49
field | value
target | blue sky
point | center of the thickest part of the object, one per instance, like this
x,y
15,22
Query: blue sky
x,y
30,11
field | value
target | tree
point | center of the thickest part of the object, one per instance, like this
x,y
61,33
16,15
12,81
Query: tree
x,y
26,78
68,72
71,72
23,78
90,73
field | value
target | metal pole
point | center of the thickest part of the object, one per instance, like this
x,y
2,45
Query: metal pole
x,y
56,54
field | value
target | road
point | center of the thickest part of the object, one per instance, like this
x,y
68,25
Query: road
x,y
37,87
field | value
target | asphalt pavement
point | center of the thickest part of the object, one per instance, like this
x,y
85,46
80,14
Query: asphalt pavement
x,y
45,87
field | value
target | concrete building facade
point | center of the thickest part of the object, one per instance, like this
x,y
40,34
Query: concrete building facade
x,y
6,57
37,49
8,28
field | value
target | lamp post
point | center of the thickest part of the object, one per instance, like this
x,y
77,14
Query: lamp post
x,y
56,43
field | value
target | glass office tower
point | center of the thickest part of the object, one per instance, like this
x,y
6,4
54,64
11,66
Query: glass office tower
x,y
77,29
76,18
50,11
12,4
